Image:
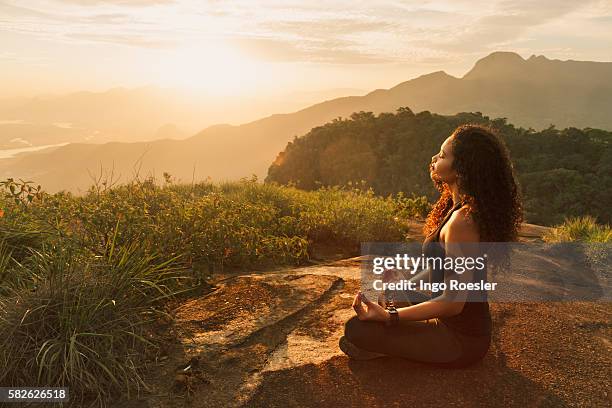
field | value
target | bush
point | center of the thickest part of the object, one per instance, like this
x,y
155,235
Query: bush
x,y
583,228
84,322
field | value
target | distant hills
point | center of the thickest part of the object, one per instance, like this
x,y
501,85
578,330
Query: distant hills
x,y
93,117
533,92
134,115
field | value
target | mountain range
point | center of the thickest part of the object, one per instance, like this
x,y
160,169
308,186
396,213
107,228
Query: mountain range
x,y
535,92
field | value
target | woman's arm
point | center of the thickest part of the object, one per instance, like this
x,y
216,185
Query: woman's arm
x,y
461,241
422,276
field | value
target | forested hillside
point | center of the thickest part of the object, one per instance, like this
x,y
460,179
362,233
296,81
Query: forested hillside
x,y
562,173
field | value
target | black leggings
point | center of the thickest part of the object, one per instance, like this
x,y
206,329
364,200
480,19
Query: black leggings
x,y
427,341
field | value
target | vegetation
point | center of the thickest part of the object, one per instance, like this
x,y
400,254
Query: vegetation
x,y
84,280
562,173
583,229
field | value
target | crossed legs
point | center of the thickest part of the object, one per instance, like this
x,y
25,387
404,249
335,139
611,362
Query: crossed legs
x,y
423,340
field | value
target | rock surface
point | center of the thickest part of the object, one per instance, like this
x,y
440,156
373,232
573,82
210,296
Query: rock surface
x,y
271,340
275,344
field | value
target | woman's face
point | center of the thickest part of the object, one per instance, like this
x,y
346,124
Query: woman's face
x,y
441,164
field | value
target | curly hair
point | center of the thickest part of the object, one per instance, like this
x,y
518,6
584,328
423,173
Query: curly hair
x,y
486,182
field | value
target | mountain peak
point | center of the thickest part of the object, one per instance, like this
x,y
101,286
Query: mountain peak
x,y
498,63
437,77
502,56
436,74
432,77
537,58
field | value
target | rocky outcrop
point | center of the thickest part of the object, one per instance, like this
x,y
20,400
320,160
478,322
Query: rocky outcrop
x,y
271,340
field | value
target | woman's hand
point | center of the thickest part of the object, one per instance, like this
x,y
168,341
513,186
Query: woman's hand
x,y
371,311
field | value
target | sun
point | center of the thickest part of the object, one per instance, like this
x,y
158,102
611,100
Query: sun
x,y
212,68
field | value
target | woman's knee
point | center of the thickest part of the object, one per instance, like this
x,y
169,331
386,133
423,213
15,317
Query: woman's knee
x,y
355,330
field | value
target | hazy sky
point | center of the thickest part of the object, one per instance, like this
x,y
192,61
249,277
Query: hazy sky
x,y
254,47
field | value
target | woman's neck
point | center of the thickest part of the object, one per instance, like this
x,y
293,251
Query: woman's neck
x,y
455,193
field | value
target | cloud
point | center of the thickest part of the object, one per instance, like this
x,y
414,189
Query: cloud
x,y
124,39
508,21
322,51
117,2
65,25
335,31
332,26
110,18
328,41
602,19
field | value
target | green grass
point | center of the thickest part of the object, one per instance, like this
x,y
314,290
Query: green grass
x,y
584,229
84,323
84,280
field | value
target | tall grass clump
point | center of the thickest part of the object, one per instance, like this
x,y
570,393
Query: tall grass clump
x,y
84,322
583,228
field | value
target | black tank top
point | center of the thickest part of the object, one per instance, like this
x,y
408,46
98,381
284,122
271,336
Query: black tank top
x,y
475,318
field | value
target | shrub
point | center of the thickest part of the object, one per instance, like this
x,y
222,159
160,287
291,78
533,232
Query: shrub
x,y
583,228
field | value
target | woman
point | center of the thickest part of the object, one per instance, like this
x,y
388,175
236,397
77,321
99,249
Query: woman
x,y
479,202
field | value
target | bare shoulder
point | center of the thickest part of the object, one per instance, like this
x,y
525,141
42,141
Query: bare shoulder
x,y
462,227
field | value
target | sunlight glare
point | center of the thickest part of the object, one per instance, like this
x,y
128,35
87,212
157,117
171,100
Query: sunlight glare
x,y
212,68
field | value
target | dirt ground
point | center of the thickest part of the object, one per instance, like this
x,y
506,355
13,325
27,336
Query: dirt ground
x,y
271,340
258,353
